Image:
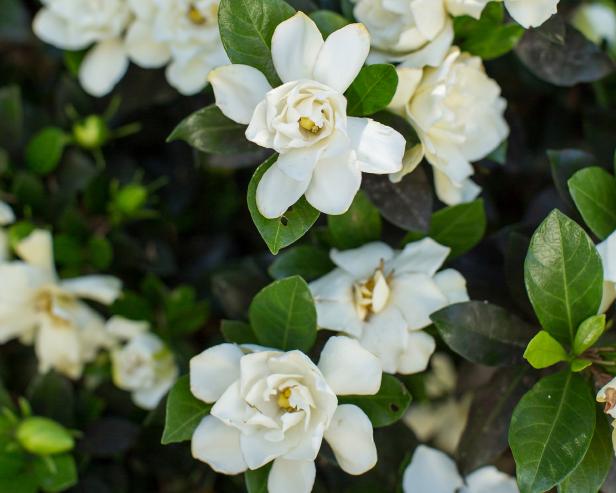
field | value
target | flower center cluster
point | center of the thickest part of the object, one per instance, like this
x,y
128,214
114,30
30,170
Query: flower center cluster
x,y
198,18
283,400
309,125
372,294
51,304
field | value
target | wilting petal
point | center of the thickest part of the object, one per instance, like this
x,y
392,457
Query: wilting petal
x,y
342,56
602,396
350,436
143,48
277,191
291,475
348,368
295,46
218,445
416,356
214,370
431,471
238,89
531,13
425,256
379,148
104,289
37,250
103,67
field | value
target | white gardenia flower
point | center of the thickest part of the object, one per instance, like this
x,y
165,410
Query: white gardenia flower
x,y
458,114
384,298
607,252
181,33
36,305
597,21
141,363
607,395
322,151
528,13
432,471
278,406
80,24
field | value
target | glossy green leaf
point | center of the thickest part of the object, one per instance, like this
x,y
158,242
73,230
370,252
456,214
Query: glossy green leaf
x,y
359,225
588,333
246,29
306,261
238,332
385,407
287,229
208,130
483,333
184,412
563,276
551,430
44,151
256,480
460,227
56,473
579,364
372,90
283,315
543,351
328,21
594,193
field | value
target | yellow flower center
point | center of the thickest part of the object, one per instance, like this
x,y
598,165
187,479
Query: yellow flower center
x,y
371,295
307,124
283,400
45,301
197,18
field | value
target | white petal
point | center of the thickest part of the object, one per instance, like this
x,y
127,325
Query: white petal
x,y
379,148
214,370
412,158
37,250
7,216
337,285
299,164
143,48
466,7
342,56
408,80
149,398
431,471
103,67
531,13
363,261
295,46
350,436
425,256
4,246
277,191
417,296
126,329
609,295
218,445
453,285
55,30
291,476
434,52
188,77
489,480
416,356
452,193
104,289
238,89
607,252
385,335
348,368
602,395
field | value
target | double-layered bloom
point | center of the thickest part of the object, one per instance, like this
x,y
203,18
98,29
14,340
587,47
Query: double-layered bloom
x,y
322,151
607,395
36,305
431,471
141,363
607,252
278,406
528,13
384,298
458,114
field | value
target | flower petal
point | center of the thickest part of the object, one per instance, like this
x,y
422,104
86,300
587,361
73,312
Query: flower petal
x,y
408,80
431,471
295,46
607,252
531,13
379,148
348,368
277,191
126,329
218,445
452,193
4,246
342,56
37,250
104,289
363,261
143,48
453,285
416,356
53,29
433,53
299,164
103,67
466,7
7,216
417,296
385,335
425,256
489,480
350,436
291,475
238,89
214,370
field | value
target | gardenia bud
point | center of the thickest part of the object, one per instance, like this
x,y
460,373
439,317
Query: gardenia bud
x,y
91,132
42,436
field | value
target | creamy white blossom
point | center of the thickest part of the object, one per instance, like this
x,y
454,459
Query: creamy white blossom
x,y
597,21
322,151
7,216
528,13
607,395
458,114
278,406
81,24
384,298
140,362
432,471
35,305
607,252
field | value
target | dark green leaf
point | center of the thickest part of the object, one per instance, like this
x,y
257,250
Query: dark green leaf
x,y
11,116
563,275
208,130
184,412
328,21
283,315
372,90
100,252
256,480
483,333
287,229
306,261
543,351
45,149
246,29
56,473
493,41
564,164
184,313
385,407
359,225
460,227
238,332
14,21
551,430
52,395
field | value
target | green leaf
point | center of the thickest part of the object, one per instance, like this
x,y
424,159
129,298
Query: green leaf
x,y
11,116
283,315
594,193
359,225
184,313
460,227
238,332
328,21
385,407
483,333
592,472
564,164
372,90
579,364
588,333
43,436
56,473
543,351
45,149
306,261
246,29
100,252
287,229
563,276
256,480
184,412
208,130
551,430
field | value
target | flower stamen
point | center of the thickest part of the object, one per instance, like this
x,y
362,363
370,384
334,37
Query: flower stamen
x,y
283,400
309,125
195,16
371,295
